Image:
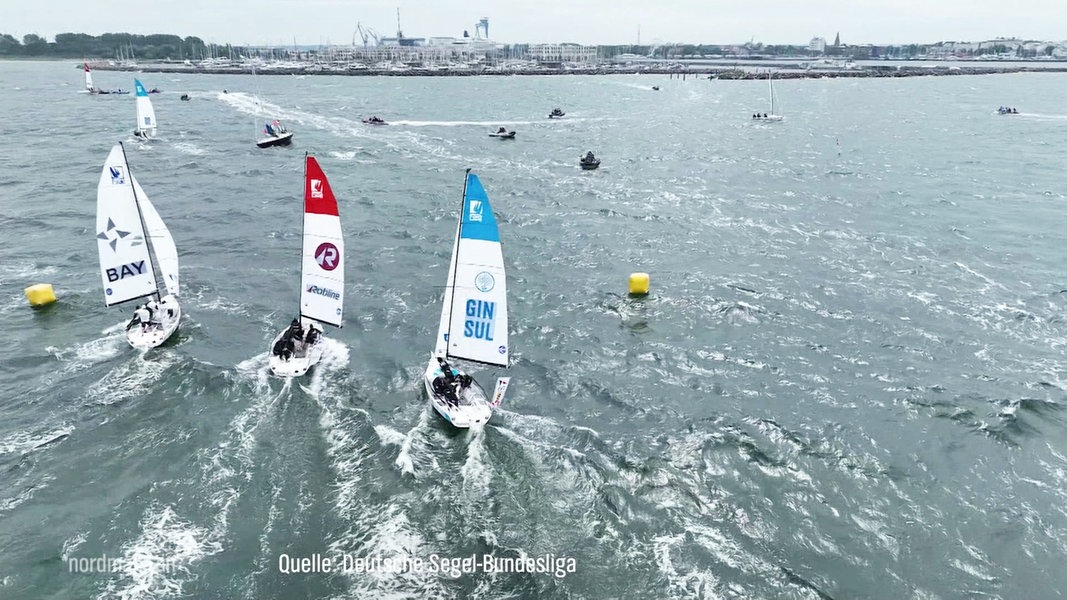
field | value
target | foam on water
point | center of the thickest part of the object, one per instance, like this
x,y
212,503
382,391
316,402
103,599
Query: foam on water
x,y
132,379
157,562
189,148
24,442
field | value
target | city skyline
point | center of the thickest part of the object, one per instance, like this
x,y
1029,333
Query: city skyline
x,y
594,22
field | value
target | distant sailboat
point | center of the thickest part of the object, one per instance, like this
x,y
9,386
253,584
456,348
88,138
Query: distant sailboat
x,y
474,315
322,279
89,80
146,116
774,115
136,253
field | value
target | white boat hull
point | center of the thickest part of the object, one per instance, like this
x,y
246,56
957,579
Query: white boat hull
x,y
473,409
170,314
770,119
304,357
276,140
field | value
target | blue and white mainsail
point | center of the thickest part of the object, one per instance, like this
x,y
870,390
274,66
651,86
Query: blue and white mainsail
x,y
146,116
125,261
474,319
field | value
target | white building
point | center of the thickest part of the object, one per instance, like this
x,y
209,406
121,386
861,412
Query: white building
x,y
817,44
555,53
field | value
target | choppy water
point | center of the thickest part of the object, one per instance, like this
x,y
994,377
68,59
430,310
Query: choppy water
x,y
847,382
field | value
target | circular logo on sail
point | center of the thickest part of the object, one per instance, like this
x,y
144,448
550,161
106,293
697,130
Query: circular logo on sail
x,y
484,281
327,256
502,349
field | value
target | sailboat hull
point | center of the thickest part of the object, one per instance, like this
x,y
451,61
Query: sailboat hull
x,y
304,357
770,119
473,409
145,338
282,140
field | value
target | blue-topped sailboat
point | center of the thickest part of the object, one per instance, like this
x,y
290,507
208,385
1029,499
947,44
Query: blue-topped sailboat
x,y
146,116
474,316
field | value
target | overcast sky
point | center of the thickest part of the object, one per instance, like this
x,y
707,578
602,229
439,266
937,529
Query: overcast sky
x,y
277,22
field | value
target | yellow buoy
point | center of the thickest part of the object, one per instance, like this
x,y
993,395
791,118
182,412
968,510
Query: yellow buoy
x,y
638,284
40,294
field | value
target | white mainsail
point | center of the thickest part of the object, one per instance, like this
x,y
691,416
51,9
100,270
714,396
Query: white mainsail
x,y
162,243
125,261
88,78
322,269
775,105
477,311
441,347
146,116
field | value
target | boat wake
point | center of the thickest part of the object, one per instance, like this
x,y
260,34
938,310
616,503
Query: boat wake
x,y
159,560
415,457
132,379
153,562
411,123
189,148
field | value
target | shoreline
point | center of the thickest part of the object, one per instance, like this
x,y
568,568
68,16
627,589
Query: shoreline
x,y
734,72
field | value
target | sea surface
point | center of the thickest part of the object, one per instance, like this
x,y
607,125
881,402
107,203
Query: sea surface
x,y
847,381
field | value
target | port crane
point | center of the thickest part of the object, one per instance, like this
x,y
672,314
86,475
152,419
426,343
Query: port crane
x,y
366,33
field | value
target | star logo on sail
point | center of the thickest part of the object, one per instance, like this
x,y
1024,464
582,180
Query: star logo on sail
x,y
316,188
113,234
327,256
117,177
475,214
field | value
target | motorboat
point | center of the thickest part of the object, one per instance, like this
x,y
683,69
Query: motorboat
x,y
589,162
275,135
556,113
503,134
374,121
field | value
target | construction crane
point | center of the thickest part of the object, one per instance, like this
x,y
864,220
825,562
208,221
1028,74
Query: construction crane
x,y
366,33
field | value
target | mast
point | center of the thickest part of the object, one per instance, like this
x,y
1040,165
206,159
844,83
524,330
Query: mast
x,y
140,216
259,114
455,271
770,87
303,226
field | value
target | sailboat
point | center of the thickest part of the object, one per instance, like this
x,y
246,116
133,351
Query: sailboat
x,y
322,279
89,80
775,108
137,253
274,134
474,315
146,116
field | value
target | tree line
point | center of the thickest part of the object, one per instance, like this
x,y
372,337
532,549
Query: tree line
x,y
108,45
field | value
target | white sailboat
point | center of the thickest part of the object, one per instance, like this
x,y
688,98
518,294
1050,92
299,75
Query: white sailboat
x,y
130,234
89,79
322,279
474,315
774,115
146,116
